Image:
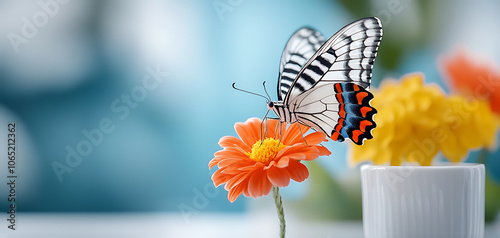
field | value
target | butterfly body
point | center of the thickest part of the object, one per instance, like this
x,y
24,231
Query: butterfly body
x,y
282,112
324,84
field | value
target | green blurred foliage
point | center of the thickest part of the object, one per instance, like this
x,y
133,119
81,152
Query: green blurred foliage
x,y
330,199
492,199
357,8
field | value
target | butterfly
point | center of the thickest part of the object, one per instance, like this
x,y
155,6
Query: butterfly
x,y
324,84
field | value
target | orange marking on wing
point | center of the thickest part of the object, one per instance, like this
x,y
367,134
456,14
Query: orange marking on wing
x,y
339,125
355,87
360,96
342,110
365,110
355,135
339,98
335,136
363,124
338,88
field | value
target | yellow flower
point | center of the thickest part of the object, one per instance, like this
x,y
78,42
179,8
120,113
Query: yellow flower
x,y
415,121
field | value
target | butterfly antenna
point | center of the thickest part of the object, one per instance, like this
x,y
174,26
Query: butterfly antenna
x,y
249,92
265,90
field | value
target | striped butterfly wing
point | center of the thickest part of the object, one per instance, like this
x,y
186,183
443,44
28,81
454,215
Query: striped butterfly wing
x,y
298,50
347,56
330,92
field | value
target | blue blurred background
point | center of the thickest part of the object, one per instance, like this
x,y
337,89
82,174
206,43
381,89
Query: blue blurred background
x,y
66,66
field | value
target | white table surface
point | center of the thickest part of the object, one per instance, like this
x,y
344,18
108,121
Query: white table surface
x,y
125,225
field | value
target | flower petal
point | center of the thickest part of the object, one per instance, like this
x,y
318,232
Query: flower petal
x,y
236,191
220,178
299,152
278,176
229,156
283,162
315,138
238,167
323,151
233,162
214,162
235,180
293,134
297,171
230,141
259,184
231,152
249,131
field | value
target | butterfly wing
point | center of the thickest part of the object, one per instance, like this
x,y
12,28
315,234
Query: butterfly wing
x,y
340,110
330,92
347,56
298,50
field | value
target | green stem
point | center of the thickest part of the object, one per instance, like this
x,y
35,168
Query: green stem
x,y
279,209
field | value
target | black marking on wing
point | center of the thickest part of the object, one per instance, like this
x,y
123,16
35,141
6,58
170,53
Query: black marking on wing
x,y
299,49
347,56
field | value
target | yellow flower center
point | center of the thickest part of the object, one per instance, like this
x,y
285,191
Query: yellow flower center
x,y
265,151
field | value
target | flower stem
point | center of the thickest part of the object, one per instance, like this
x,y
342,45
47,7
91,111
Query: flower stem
x,y
279,209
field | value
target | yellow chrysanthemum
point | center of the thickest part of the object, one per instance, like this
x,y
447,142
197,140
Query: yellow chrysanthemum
x,y
415,121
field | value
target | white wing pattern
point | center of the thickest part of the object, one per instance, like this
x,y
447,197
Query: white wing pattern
x,y
347,56
299,49
329,93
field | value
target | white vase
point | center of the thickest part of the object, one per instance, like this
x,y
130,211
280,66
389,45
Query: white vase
x,y
423,201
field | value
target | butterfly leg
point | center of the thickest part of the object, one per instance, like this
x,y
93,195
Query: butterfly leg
x,y
300,129
264,120
279,137
263,130
302,134
276,130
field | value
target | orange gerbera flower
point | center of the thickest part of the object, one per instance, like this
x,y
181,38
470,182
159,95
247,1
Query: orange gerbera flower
x,y
252,167
473,77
